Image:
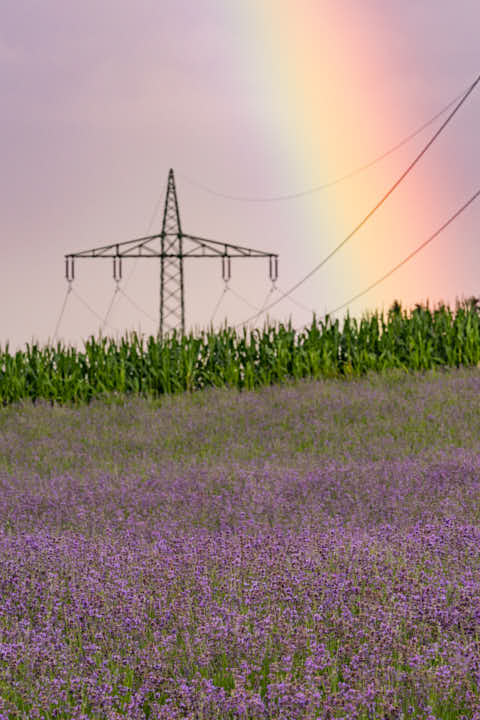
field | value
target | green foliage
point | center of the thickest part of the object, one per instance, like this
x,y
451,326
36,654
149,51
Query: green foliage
x,y
422,339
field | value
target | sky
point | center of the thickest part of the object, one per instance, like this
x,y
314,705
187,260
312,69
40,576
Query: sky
x,y
249,98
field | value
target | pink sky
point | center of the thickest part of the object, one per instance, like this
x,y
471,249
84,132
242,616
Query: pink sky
x,y
100,98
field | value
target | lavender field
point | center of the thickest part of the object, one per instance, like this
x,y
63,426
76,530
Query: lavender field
x,y
310,550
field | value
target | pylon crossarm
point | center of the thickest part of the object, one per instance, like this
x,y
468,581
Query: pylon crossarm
x,y
172,247
201,247
223,248
103,250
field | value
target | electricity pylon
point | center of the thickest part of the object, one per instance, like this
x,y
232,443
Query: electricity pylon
x,y
172,291
173,248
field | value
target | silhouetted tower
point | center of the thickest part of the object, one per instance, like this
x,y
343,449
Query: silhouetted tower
x,y
172,290
171,246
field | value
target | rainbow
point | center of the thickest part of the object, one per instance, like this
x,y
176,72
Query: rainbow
x,y
330,82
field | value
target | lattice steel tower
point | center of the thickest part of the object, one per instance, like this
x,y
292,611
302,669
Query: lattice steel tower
x,y
172,291
175,247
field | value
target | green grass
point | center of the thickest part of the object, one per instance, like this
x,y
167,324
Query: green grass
x,y
419,340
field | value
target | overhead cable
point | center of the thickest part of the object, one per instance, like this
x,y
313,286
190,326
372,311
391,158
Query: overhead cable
x,y
243,299
62,311
330,183
136,305
295,301
89,307
149,227
110,307
218,303
375,208
410,256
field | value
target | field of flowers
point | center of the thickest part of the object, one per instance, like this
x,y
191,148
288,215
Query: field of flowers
x,y
310,550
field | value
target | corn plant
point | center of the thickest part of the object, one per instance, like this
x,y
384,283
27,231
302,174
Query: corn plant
x,y
416,340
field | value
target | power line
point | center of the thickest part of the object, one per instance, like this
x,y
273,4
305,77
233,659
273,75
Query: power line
x,y
147,232
330,183
268,295
89,307
70,290
375,208
172,247
218,303
136,305
243,299
107,315
410,256
295,301
57,326
133,268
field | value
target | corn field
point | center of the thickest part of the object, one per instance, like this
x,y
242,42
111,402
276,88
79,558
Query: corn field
x,y
415,340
